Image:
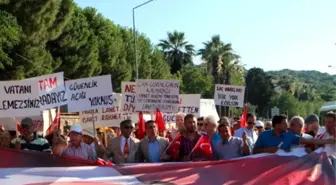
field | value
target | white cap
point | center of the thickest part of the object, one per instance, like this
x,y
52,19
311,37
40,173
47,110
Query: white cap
x,y
76,128
259,124
88,133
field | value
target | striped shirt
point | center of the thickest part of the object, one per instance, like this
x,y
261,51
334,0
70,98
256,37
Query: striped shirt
x,y
186,147
83,151
39,143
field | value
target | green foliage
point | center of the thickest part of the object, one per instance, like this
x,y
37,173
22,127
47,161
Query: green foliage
x,y
195,82
259,89
177,51
291,106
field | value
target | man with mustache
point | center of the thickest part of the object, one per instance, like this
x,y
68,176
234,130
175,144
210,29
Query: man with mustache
x,y
251,133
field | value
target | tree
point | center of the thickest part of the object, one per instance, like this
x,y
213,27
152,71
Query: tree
x,y
40,21
259,89
177,51
195,82
221,60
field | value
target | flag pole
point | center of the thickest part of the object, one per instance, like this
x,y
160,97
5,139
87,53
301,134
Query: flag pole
x,y
94,123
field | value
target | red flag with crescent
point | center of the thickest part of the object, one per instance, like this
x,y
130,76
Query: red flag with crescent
x,y
204,146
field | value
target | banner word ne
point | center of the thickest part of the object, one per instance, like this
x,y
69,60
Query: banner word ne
x,y
18,89
130,88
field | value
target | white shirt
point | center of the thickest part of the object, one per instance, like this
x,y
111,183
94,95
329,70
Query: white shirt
x,y
122,143
250,133
330,148
93,145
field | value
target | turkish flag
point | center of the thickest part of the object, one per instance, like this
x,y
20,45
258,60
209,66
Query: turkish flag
x,y
174,147
56,124
18,128
159,120
140,134
204,146
243,117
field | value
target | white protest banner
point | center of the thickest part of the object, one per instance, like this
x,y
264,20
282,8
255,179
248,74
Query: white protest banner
x,y
89,93
19,98
51,90
207,108
229,95
128,96
189,104
106,117
157,94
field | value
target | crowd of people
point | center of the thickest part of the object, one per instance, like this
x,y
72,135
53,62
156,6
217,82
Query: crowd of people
x,y
227,139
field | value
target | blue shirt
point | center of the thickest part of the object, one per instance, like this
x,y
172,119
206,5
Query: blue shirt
x,y
215,139
268,139
154,151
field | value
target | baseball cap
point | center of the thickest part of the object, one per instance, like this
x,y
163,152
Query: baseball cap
x,y
27,122
260,124
88,132
76,128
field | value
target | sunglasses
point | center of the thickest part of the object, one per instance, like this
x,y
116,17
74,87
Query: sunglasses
x,y
127,127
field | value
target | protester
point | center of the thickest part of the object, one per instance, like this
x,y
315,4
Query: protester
x,y
268,125
5,139
211,129
330,133
124,148
200,124
30,140
297,125
251,133
260,127
76,147
225,121
153,147
179,124
312,124
189,141
278,138
230,147
97,146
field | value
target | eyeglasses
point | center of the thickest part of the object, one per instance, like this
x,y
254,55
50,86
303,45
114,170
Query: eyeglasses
x,y
128,127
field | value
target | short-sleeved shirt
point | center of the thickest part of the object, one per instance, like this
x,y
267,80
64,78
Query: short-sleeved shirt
x,y
83,151
39,143
268,139
187,146
215,139
229,149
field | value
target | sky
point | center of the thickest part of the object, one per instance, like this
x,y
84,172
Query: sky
x,y
273,35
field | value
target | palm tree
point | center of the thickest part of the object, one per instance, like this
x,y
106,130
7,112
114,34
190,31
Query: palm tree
x,y
221,62
220,59
177,51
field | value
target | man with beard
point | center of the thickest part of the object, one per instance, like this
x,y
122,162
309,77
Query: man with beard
x,y
312,124
278,138
189,140
251,133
